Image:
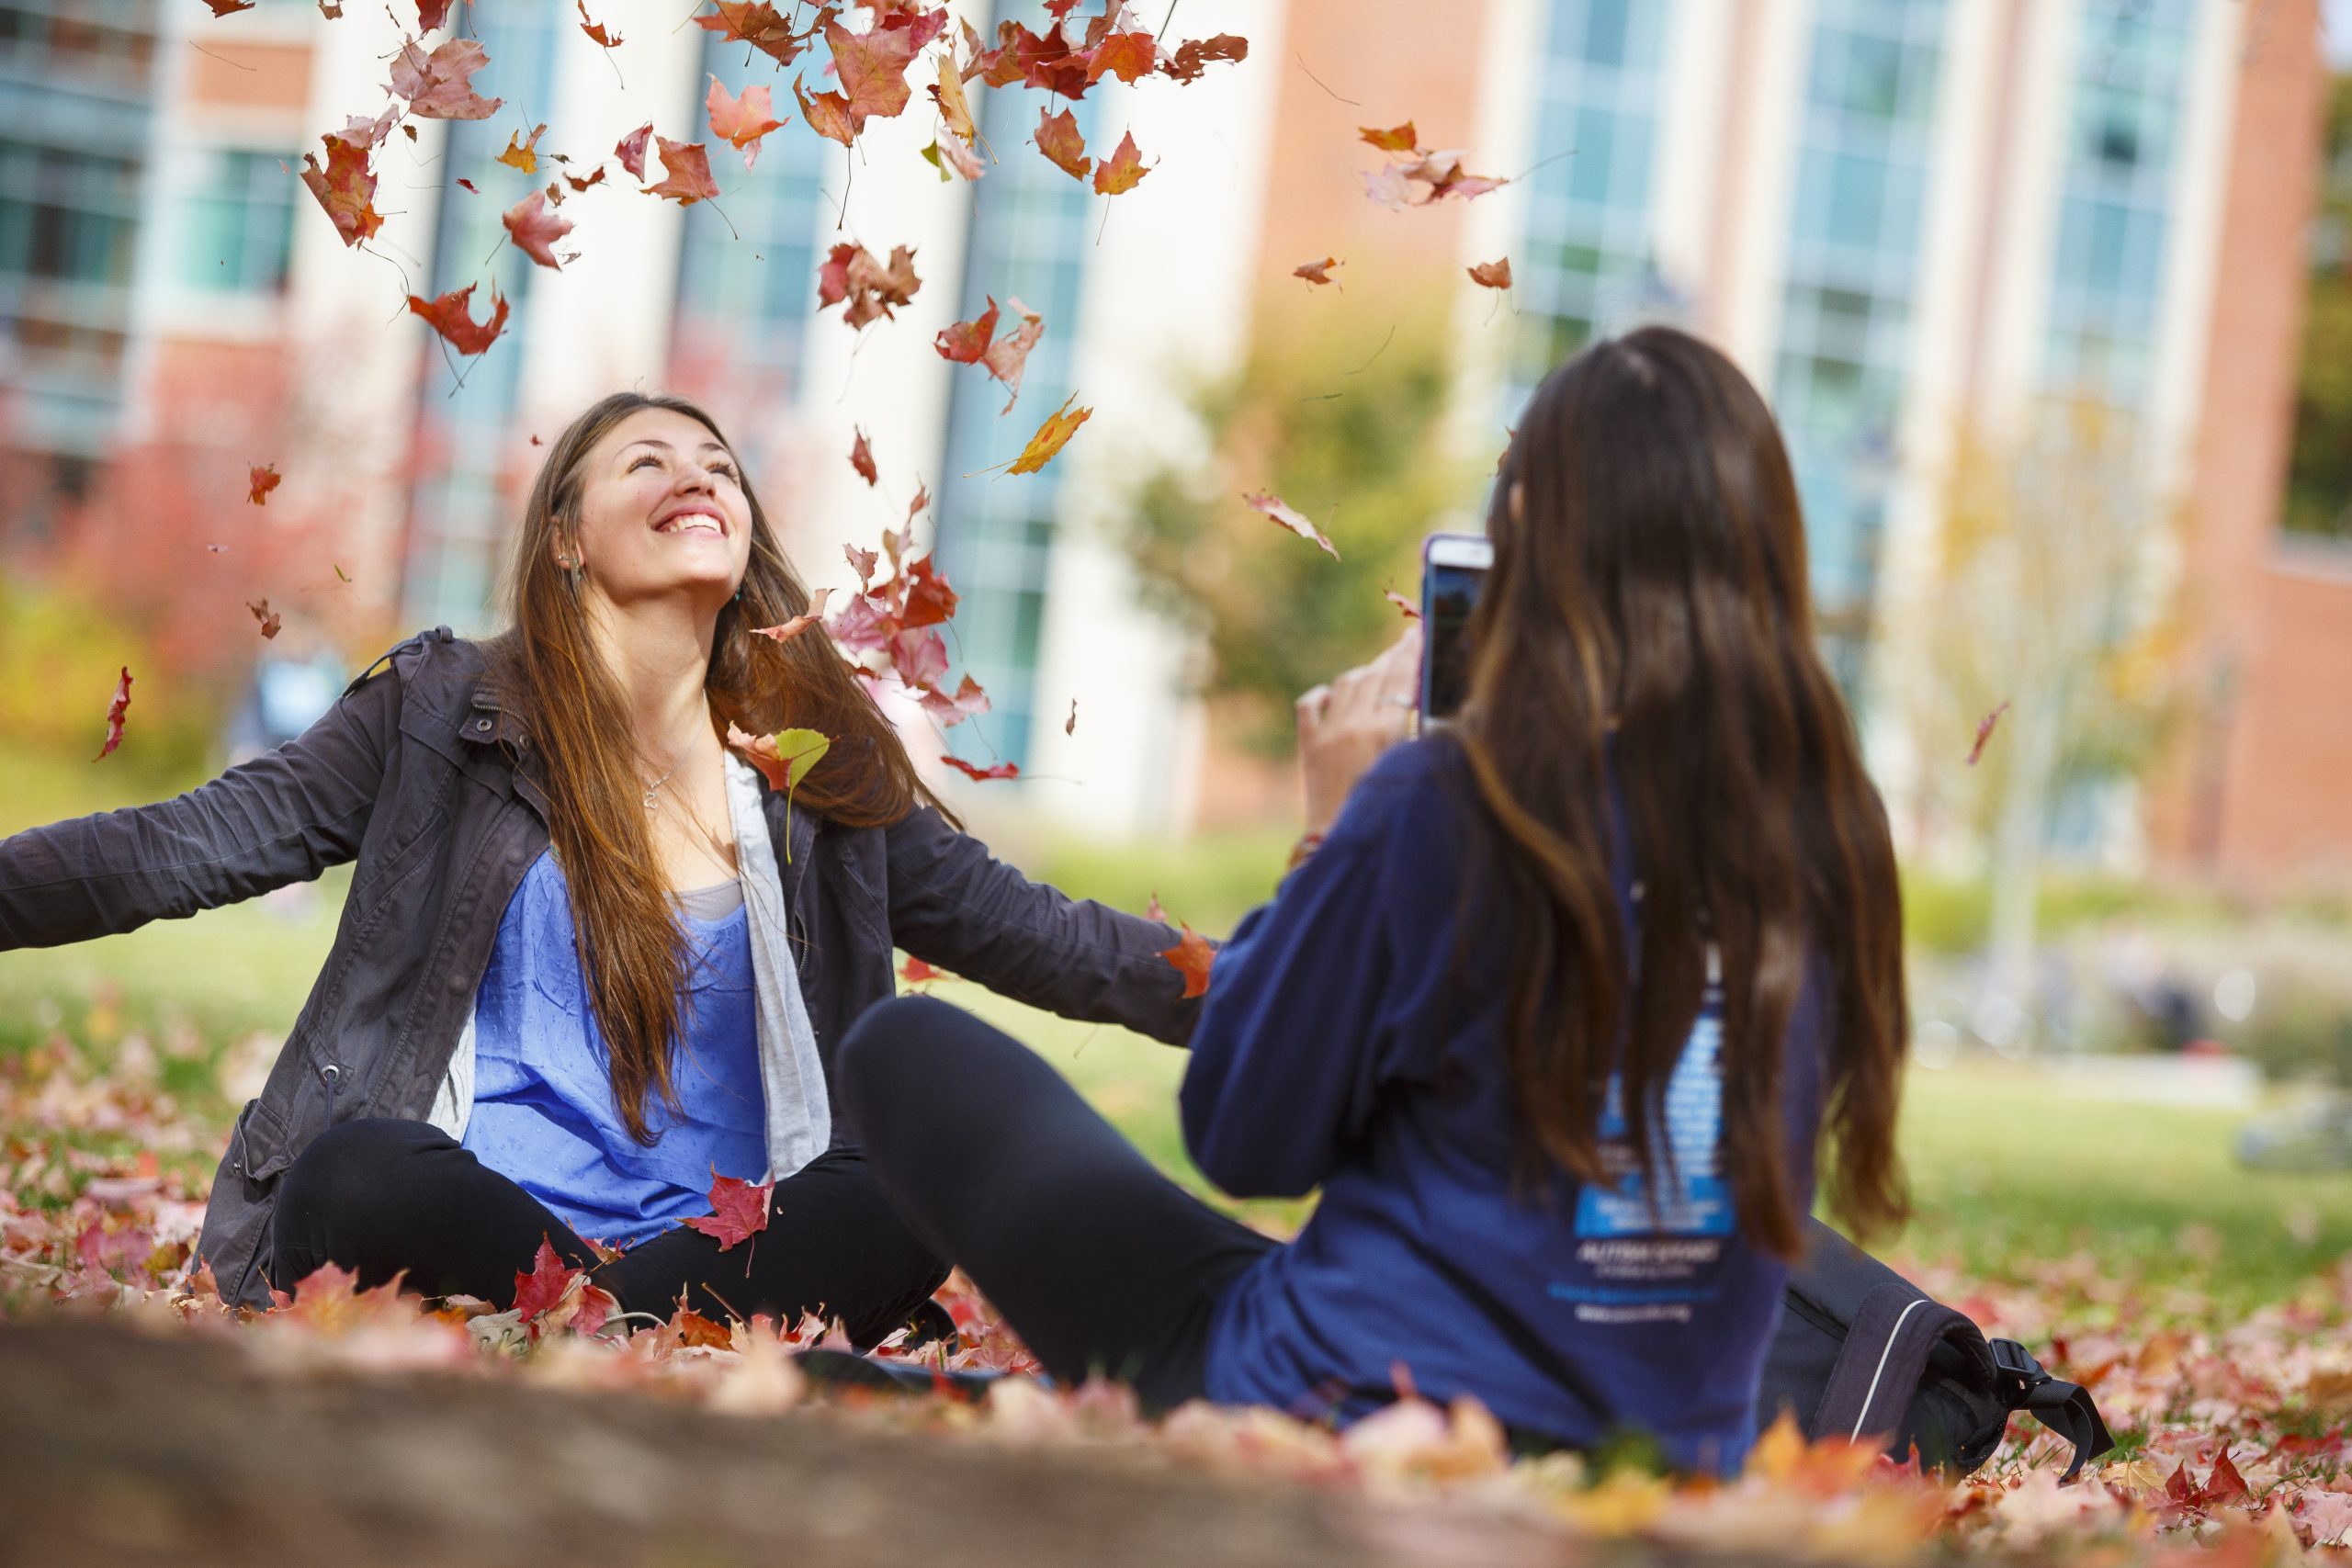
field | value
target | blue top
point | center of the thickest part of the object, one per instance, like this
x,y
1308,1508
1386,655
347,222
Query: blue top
x,y
1340,1047
543,1110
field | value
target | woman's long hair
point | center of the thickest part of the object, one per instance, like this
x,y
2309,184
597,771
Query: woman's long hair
x,y
547,674
1651,589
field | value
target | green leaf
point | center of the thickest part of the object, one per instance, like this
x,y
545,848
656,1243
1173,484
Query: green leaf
x,y
801,750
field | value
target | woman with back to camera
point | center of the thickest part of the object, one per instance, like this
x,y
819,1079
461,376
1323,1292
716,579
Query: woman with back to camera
x,y
1645,869
588,958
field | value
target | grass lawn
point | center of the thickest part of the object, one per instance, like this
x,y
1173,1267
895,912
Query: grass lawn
x,y
2005,1169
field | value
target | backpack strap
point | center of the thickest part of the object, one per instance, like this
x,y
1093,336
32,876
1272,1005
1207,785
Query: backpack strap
x,y
1879,1366
2066,1408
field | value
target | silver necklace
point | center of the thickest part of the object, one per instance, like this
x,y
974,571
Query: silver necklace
x,y
655,787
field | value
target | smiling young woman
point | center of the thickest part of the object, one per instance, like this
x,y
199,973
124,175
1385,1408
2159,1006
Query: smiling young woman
x,y
588,962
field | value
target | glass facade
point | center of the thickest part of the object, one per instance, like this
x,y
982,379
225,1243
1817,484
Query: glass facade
x,y
1587,265
238,229
1032,232
1865,132
2123,129
745,294
76,94
463,508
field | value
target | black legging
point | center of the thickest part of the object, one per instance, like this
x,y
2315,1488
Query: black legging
x,y
1100,1262
380,1196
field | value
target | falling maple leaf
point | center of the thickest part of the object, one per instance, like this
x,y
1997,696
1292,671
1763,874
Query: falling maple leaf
x,y
950,710
225,7
915,972
686,173
946,155
760,25
1122,171
1317,271
430,14
630,150
1396,139
577,184
861,458
827,114
364,133
1070,726
1051,437
1057,138
1984,733
800,622
451,316
1282,513
536,228
1192,957
738,1211
740,122
1412,611
954,108
521,153
975,343
440,86
1492,275
260,480
1189,59
1002,770
270,620
1130,56
464,184
861,562
116,709
331,9
853,275
872,65
596,32
345,188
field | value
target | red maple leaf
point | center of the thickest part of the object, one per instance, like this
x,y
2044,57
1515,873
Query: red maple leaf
x,y
1129,56
974,342
1122,171
853,275
451,316
929,600
920,656
440,86
1984,732
800,622
545,1283
685,171
740,122
536,227
115,711
1396,139
596,32
758,24
1317,272
1193,56
226,7
260,480
1057,138
345,188
1412,611
576,183
630,150
270,620
431,14
951,711
1492,275
1282,513
828,114
861,458
364,133
1191,957
915,972
873,64
2225,1484
1002,770
738,1211
861,562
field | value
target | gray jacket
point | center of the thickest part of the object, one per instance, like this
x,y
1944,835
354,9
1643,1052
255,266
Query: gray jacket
x,y
418,777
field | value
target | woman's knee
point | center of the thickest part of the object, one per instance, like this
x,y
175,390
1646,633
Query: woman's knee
x,y
892,1045
351,1162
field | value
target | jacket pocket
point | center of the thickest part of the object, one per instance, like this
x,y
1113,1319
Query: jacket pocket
x,y
258,1147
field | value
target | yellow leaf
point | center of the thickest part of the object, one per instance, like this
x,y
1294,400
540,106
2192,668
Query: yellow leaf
x,y
799,750
1051,437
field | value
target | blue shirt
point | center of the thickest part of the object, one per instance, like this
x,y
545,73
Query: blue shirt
x,y
543,1112
1340,1045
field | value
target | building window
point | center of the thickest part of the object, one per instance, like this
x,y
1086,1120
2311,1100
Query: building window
x,y
1031,230
1865,129
239,229
1585,266
2131,85
465,494
745,294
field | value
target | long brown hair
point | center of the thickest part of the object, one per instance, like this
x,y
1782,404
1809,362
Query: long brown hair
x,y
1652,588
548,676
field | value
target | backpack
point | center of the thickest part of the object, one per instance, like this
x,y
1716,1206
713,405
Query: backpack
x,y
1861,1350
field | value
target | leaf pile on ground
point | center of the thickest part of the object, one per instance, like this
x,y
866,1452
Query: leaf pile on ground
x,y
2232,1436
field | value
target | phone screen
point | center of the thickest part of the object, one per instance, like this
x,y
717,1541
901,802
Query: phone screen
x,y
1448,593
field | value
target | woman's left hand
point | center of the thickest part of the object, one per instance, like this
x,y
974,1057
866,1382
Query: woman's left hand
x,y
1345,726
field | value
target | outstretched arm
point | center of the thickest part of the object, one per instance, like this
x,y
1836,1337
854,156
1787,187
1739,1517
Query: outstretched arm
x,y
281,817
955,905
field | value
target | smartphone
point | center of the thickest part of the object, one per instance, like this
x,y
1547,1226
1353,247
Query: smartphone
x,y
1453,568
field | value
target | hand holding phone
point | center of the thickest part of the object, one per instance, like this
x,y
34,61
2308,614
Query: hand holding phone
x,y
1454,571
1346,724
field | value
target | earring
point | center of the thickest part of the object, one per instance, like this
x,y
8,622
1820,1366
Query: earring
x,y
739,594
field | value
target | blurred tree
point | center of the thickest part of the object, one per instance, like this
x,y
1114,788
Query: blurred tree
x,y
1346,431
2319,478
2049,590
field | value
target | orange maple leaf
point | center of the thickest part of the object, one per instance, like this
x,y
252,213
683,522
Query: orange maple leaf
x,y
1057,138
1492,275
740,122
1051,437
536,227
1317,271
440,86
452,316
345,188
260,481
1289,517
1122,171
686,173
1192,957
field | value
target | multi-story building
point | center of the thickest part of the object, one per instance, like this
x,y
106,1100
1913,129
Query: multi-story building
x,y
1905,218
